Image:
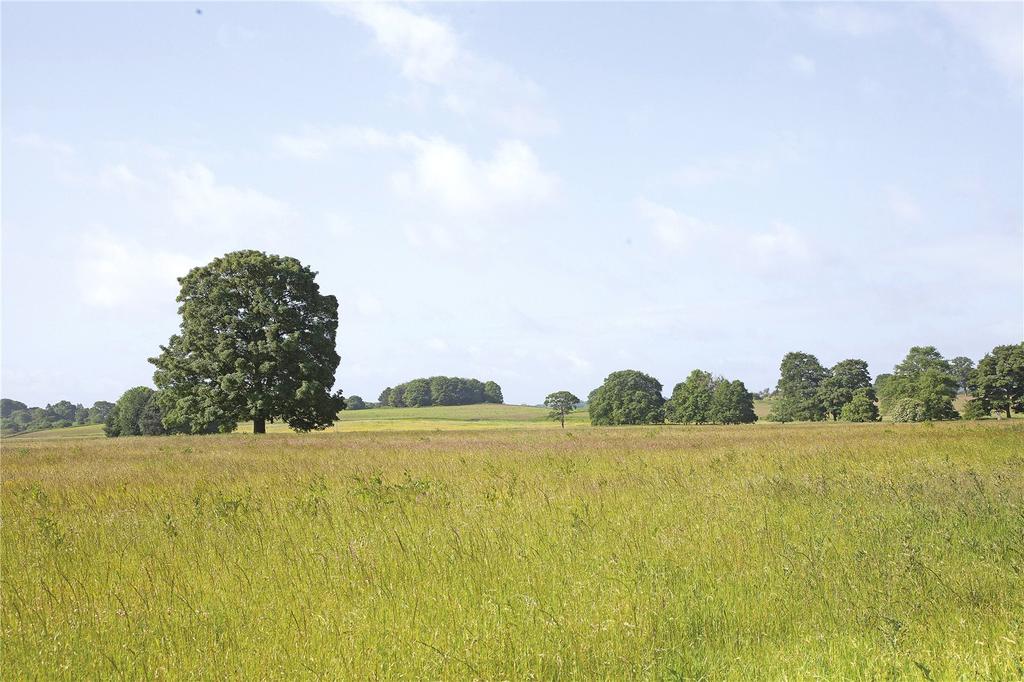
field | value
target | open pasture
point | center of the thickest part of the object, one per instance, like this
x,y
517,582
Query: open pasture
x,y
805,551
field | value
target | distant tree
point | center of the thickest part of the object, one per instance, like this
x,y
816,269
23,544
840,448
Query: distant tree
x,y
975,409
418,392
492,393
474,392
627,397
441,391
925,377
861,407
257,342
355,403
732,403
63,410
125,419
880,381
560,403
962,368
398,396
99,411
691,399
9,407
908,410
385,397
797,396
999,379
837,389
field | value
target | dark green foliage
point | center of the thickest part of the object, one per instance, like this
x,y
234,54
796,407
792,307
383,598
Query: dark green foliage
x,y
9,407
17,417
797,397
861,407
560,403
999,380
418,393
355,403
691,399
99,411
257,342
627,397
441,390
837,389
732,403
925,377
126,417
492,393
962,369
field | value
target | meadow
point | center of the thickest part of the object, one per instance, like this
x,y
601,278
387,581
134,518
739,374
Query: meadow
x,y
511,549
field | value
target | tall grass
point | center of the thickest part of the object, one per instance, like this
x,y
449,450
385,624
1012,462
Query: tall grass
x,y
838,551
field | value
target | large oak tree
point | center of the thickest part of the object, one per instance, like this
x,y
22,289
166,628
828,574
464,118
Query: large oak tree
x,y
257,343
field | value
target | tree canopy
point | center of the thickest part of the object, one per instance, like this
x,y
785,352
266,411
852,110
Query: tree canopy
x,y
925,377
797,397
560,403
17,417
842,381
441,390
257,343
691,399
998,382
627,397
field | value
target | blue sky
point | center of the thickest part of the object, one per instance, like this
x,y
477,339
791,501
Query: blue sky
x,y
538,194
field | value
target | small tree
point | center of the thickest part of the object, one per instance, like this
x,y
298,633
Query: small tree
x,y
976,409
627,397
385,397
861,407
561,403
926,377
355,403
126,416
837,389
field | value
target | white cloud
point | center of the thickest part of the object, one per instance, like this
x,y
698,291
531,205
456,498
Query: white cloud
x,y
198,200
903,205
671,227
425,48
428,52
996,28
802,65
112,273
441,171
781,244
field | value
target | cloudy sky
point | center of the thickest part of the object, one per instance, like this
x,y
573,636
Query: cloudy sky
x,y
538,194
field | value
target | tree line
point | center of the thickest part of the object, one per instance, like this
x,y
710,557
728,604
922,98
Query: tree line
x,y
441,390
17,417
922,387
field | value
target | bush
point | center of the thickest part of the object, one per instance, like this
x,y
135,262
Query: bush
x,y
355,403
976,409
861,407
908,410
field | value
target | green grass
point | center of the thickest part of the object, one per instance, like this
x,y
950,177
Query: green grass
x,y
800,551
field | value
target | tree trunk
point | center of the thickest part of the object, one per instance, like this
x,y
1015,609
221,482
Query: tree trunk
x,y
563,421
259,425
1008,415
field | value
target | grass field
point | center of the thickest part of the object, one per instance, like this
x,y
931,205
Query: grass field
x,y
766,551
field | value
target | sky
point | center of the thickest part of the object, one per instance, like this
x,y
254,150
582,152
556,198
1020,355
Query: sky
x,y
538,194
